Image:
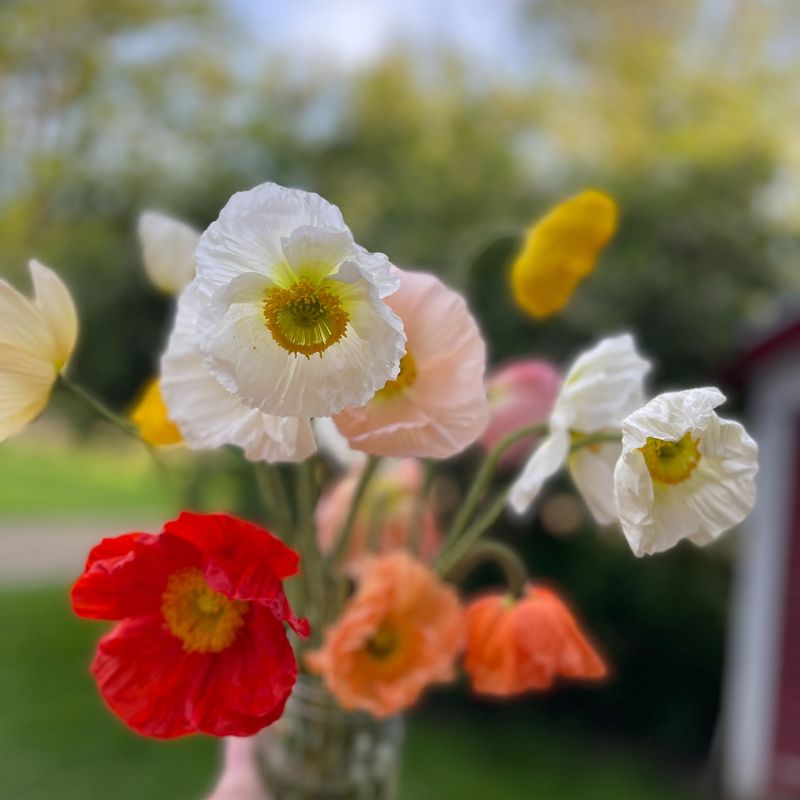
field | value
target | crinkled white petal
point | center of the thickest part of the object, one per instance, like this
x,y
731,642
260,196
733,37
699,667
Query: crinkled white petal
x,y
269,229
592,471
249,232
602,387
208,415
243,356
168,250
25,384
546,460
58,312
670,415
315,251
718,494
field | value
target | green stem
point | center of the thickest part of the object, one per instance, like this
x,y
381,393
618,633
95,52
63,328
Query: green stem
x,y
343,539
377,516
306,538
415,537
99,407
595,438
473,532
510,563
273,493
483,479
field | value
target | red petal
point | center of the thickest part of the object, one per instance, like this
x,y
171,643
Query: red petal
x,y
241,560
159,690
251,680
143,675
125,576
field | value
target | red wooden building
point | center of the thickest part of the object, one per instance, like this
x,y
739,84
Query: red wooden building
x,y
762,704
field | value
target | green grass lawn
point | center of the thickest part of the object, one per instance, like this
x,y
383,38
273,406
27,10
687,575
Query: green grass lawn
x,y
58,740
56,479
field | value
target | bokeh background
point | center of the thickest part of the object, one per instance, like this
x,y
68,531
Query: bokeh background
x,y
441,129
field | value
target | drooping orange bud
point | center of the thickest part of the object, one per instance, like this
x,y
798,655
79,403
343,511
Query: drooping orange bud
x,y
517,645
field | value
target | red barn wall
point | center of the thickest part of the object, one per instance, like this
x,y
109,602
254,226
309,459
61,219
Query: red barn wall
x,y
786,750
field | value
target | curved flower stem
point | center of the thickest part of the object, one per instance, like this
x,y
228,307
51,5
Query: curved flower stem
x,y
377,512
99,407
483,479
514,570
595,438
473,533
343,539
415,537
306,538
273,493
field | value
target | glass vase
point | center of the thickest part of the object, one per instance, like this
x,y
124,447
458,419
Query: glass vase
x,y
318,751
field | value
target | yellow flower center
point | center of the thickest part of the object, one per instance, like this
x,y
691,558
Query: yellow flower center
x,y
205,620
671,462
384,643
405,378
305,318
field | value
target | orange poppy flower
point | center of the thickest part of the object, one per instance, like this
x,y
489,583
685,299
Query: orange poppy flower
x,y
517,645
401,632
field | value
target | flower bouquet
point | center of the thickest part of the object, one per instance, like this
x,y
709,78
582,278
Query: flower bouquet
x,y
347,382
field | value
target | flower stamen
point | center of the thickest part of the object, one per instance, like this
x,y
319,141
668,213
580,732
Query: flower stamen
x,y
383,644
306,318
405,378
671,462
205,620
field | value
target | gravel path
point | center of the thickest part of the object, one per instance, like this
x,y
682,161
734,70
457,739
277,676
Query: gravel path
x,y
52,551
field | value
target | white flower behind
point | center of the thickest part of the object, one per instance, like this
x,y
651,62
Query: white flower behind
x,y
603,386
332,444
37,338
168,248
208,415
684,473
292,319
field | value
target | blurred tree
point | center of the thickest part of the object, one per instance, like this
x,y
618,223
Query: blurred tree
x,y
685,110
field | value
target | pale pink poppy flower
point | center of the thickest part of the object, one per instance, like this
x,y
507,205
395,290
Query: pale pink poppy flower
x,y
387,512
240,778
521,393
436,407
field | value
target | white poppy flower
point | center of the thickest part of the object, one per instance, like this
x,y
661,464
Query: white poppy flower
x,y
168,248
208,415
292,319
334,445
601,388
37,338
684,473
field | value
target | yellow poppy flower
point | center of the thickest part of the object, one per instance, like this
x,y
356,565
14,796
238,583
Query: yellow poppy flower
x,y
37,337
560,250
152,420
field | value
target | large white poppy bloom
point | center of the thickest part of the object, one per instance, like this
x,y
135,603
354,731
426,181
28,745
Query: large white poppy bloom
x,y
684,473
601,388
168,247
292,319
37,338
208,415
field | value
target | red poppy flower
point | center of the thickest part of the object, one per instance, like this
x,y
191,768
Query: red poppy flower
x,y
200,645
517,645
